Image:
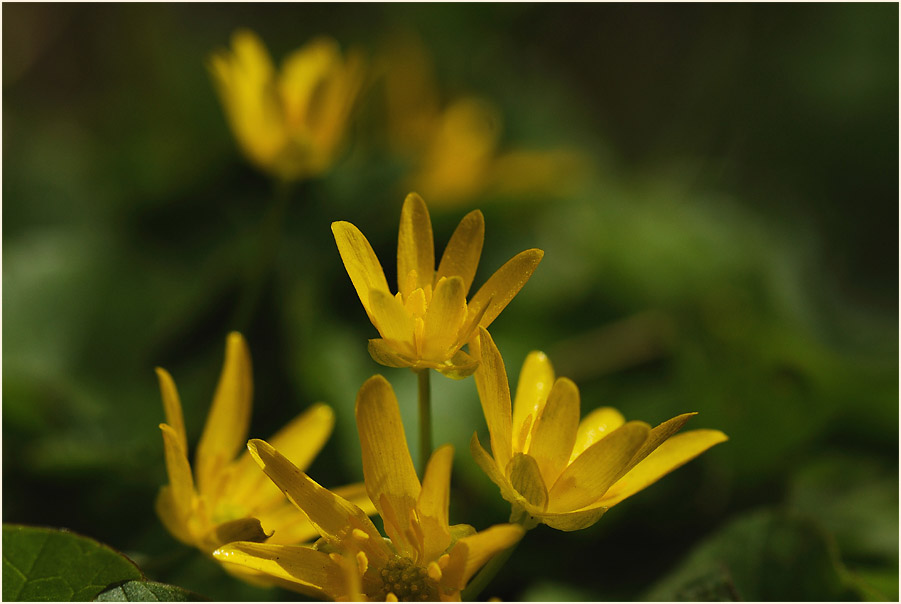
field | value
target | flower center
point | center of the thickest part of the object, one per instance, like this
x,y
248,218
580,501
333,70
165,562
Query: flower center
x,y
401,577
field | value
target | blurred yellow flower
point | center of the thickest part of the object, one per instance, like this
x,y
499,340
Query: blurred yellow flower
x,y
226,499
425,324
560,471
424,558
289,123
455,148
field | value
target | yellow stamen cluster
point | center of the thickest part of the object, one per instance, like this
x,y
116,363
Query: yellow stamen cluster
x,y
404,580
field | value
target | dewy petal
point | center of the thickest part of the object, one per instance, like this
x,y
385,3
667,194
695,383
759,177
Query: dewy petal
x,y
525,476
595,426
469,554
415,244
391,319
181,482
672,454
461,256
172,406
442,321
494,394
226,427
387,468
504,284
359,259
591,474
333,516
555,429
308,571
535,381
433,503
300,441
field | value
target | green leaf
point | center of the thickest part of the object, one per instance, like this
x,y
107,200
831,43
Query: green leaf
x,y
147,591
41,564
764,556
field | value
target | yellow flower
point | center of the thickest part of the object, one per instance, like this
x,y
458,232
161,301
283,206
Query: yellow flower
x,y
455,148
227,499
558,470
424,558
425,324
289,123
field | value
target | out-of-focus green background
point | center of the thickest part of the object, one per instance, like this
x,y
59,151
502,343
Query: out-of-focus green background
x,y
729,246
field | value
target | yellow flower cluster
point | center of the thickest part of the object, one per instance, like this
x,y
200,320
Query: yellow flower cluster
x,y
552,467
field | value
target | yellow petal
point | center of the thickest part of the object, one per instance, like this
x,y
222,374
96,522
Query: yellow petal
x,y
361,263
595,426
415,244
572,521
286,524
494,394
658,435
443,319
300,441
384,353
461,256
172,516
357,495
242,529
489,466
307,571
181,482
334,517
525,477
251,55
536,378
460,366
672,454
433,503
393,322
555,430
225,432
172,406
387,468
591,474
469,554
504,284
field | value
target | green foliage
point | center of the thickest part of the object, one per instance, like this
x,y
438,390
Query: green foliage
x,y
147,591
765,556
41,564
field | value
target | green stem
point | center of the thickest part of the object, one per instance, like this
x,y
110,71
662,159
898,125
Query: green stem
x,y
489,571
425,419
270,235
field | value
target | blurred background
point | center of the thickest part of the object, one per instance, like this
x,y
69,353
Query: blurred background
x,y
715,188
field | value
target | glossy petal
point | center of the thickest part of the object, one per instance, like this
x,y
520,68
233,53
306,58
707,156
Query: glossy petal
x,y
387,468
494,394
172,406
383,353
308,571
181,482
573,521
433,503
300,441
226,427
333,516
555,430
469,554
595,426
504,284
393,322
415,244
672,454
445,315
489,466
359,259
658,435
525,476
286,524
591,474
535,382
461,256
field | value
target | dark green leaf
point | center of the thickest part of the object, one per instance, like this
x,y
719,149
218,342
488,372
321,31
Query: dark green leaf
x,y
41,564
147,591
766,555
